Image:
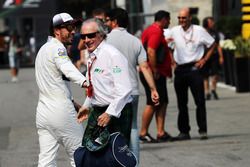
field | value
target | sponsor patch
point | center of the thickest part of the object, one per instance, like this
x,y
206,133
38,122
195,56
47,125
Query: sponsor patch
x,y
117,69
62,52
98,70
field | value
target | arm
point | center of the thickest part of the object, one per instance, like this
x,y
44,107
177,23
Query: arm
x,y
84,110
122,86
173,63
65,65
221,58
76,105
150,80
153,43
202,61
83,57
121,89
152,61
81,45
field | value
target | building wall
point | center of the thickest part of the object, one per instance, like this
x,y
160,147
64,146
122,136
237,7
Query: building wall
x,y
173,6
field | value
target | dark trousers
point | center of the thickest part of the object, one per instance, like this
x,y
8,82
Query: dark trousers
x,y
189,76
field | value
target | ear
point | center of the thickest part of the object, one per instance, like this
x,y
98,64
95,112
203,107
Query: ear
x,y
56,31
190,17
114,23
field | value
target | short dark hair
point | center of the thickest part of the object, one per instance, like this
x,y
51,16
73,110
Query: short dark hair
x,y
98,11
161,14
51,29
120,15
205,21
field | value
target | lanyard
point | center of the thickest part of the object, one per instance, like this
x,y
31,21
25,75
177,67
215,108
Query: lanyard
x,y
90,87
190,40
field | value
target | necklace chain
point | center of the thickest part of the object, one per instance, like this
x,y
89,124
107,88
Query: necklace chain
x,y
186,39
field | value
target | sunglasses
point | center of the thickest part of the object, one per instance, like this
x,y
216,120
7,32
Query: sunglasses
x,y
69,27
107,19
89,36
183,18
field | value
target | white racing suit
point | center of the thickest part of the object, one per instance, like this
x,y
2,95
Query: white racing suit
x,y
56,118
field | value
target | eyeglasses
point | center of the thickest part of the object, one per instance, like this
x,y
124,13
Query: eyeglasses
x,y
183,18
69,27
89,36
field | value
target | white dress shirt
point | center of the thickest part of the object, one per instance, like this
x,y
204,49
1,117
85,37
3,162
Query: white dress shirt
x,y
189,44
132,48
110,80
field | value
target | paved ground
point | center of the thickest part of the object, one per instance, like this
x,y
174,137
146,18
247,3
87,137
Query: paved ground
x,y
228,128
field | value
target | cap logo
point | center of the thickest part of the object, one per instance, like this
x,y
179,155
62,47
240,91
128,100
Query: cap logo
x,y
66,17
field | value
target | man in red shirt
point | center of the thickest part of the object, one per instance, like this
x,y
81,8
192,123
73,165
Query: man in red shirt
x,y
160,62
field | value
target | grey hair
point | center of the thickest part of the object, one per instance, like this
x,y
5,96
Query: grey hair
x,y
100,26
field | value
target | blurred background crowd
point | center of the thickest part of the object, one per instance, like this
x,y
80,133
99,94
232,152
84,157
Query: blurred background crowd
x,y
30,19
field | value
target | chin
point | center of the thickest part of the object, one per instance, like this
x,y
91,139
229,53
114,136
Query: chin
x,y
90,50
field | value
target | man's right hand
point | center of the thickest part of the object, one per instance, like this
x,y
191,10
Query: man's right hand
x,y
155,97
85,84
82,114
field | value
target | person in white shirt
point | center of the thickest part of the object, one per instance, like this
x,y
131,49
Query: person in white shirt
x,y
189,59
56,117
109,90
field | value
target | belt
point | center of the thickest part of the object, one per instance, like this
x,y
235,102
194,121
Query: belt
x,y
104,108
186,65
100,108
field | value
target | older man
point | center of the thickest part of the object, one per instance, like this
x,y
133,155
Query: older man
x,y
189,58
56,117
109,90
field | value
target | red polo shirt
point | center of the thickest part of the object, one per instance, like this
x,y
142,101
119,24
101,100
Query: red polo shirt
x,y
153,36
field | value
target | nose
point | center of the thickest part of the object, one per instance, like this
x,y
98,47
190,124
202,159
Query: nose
x,y
87,39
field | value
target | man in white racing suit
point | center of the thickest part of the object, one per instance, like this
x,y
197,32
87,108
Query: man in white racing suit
x,y
56,117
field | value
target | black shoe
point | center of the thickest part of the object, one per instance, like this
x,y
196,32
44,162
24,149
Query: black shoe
x,y
182,136
208,96
203,136
164,138
216,97
147,139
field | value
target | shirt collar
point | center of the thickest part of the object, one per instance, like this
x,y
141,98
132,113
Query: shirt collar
x,y
53,39
190,28
157,26
119,29
97,50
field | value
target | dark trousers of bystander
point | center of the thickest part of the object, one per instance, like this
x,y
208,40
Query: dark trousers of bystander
x,y
189,76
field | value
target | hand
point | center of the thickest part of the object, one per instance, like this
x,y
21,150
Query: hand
x,y
169,39
200,63
77,106
82,114
221,60
173,64
103,120
85,84
155,97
